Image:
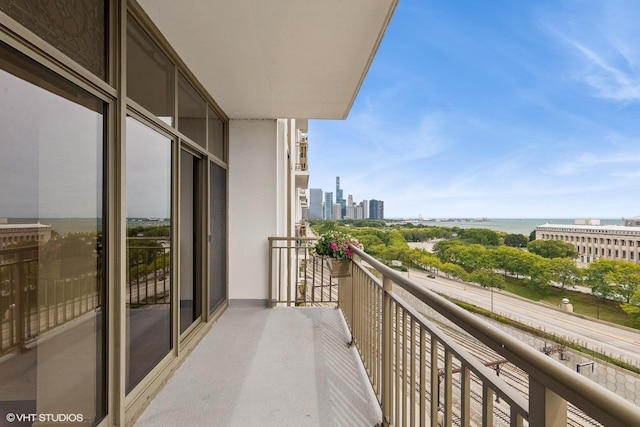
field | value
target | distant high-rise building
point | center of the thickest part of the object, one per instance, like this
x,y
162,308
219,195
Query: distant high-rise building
x,y
365,209
376,209
328,205
351,212
337,211
339,197
315,203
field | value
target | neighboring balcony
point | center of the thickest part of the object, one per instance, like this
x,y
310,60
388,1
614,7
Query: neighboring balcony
x,y
302,166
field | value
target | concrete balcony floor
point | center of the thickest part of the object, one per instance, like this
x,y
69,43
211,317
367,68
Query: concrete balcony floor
x,y
269,367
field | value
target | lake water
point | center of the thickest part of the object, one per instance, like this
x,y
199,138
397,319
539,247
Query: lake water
x,y
509,225
83,225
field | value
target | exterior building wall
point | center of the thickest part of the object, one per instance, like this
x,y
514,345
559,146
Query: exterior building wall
x,y
593,242
328,205
126,107
376,209
337,211
253,149
315,203
12,234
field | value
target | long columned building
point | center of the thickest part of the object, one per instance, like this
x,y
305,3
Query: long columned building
x,y
593,242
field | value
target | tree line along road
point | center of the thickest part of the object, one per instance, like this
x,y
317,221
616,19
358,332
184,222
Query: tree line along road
x,y
616,341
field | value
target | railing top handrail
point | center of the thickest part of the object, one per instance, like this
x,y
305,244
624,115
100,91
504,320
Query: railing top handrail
x,y
149,238
291,239
597,401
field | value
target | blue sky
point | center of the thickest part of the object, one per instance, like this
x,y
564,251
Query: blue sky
x,y
499,109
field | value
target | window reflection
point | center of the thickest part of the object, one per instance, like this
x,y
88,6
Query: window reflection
x,y
52,330
148,288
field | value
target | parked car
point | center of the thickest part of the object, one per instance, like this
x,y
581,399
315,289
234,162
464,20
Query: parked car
x,y
431,276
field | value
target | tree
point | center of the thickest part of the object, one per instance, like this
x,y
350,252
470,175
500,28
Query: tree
x,y
447,250
552,249
516,240
488,279
509,259
453,270
632,308
626,279
564,271
472,256
539,273
595,277
481,236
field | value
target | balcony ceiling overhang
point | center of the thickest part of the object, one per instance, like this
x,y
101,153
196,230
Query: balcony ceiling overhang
x,y
278,58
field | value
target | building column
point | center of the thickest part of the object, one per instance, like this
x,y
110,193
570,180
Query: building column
x,y
257,195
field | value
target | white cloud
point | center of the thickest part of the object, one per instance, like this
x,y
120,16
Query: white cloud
x,y
600,38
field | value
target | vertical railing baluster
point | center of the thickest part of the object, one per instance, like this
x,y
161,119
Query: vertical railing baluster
x,y
516,418
465,396
423,378
435,378
487,405
397,387
405,364
448,388
546,408
412,383
387,362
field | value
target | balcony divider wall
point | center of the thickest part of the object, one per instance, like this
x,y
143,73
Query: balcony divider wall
x,y
94,121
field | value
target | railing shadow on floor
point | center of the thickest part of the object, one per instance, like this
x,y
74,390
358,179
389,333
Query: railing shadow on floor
x,y
465,372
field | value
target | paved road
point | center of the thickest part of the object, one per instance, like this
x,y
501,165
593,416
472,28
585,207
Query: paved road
x,y
619,342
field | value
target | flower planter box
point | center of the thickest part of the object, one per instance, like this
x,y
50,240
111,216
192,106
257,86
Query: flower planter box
x,y
339,267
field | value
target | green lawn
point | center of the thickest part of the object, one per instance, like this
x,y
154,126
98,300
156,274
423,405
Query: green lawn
x,y
584,304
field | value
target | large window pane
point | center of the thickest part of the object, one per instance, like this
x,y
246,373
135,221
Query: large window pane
x,y
218,244
150,74
148,289
216,135
52,326
75,27
192,112
190,240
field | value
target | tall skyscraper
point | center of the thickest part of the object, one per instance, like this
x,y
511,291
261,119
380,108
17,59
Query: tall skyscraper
x,y
339,197
315,203
328,205
376,209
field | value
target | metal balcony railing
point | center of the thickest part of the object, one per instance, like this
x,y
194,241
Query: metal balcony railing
x,y
422,372
35,297
149,278
297,276
40,294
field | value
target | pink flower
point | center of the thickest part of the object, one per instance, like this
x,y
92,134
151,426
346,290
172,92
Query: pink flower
x,y
334,246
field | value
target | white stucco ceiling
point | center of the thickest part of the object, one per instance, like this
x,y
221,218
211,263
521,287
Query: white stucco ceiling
x,y
276,58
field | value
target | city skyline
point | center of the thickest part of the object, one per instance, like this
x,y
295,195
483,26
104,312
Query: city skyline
x,y
323,205
499,110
